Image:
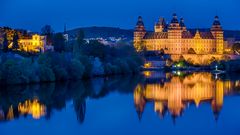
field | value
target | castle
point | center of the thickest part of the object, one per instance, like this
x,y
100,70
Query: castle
x,y
174,38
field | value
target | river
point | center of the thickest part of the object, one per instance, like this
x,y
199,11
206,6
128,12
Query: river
x,y
198,103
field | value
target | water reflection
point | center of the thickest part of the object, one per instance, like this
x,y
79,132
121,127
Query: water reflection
x,y
39,101
33,108
171,93
175,92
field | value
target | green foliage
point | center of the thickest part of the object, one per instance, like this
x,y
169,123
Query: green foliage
x,y
5,43
60,73
58,42
85,60
87,64
80,37
19,71
134,67
76,69
95,49
108,68
236,48
124,68
98,68
46,74
49,32
15,44
76,50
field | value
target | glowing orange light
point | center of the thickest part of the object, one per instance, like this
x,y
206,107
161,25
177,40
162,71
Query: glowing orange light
x,y
32,107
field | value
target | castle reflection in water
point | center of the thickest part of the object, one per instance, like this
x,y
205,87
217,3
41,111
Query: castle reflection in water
x,y
171,93
174,93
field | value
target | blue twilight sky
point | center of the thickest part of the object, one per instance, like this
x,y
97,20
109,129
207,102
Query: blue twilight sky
x,y
33,14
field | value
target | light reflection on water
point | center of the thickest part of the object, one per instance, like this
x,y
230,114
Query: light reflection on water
x,y
168,94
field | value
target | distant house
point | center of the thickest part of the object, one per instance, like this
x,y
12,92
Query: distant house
x,y
35,44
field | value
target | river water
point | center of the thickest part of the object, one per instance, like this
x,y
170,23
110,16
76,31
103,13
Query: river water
x,y
199,103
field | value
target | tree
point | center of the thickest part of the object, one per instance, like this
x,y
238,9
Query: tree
x,y
76,69
48,31
58,42
5,43
15,44
98,68
80,37
76,50
236,48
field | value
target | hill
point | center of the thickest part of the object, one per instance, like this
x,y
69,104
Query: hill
x,y
102,32
106,32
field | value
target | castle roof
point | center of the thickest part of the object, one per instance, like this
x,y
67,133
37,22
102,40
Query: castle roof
x,y
174,19
140,21
216,21
140,24
156,35
206,35
182,24
185,35
192,33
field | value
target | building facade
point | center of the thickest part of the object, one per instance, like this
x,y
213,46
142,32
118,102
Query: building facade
x,y
175,38
35,44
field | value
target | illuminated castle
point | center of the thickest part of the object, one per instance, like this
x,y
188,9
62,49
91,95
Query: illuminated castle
x,y
174,38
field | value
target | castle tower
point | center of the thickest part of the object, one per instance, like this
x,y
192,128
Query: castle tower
x,y
217,32
174,36
139,34
182,25
160,25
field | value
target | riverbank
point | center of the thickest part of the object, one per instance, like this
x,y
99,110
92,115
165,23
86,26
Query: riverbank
x,y
215,66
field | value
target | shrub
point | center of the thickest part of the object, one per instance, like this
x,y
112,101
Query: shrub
x,y
30,69
134,67
87,66
60,73
97,67
46,74
108,69
124,68
76,69
13,73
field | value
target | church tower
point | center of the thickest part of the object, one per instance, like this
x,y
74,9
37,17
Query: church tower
x,y
217,32
139,33
175,36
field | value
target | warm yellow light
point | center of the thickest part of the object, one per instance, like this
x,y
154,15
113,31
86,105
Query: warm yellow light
x,y
147,65
32,107
147,74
